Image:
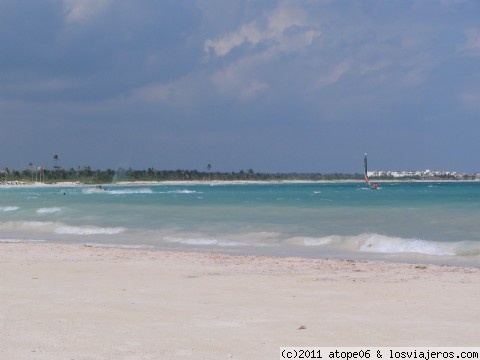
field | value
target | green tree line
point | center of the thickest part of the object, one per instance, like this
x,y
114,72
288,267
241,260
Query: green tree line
x,y
87,175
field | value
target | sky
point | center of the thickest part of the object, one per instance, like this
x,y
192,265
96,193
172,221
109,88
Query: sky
x,y
268,85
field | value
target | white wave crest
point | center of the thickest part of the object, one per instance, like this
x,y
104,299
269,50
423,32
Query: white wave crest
x,y
202,241
93,191
8,208
185,192
117,191
392,245
181,191
33,224
88,230
130,191
50,210
316,241
376,243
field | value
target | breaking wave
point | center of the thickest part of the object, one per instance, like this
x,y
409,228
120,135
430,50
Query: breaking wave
x,y
49,210
8,208
376,243
202,241
184,192
117,191
88,230
130,191
181,191
50,227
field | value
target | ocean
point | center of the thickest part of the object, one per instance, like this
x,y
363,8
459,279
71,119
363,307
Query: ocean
x,y
417,222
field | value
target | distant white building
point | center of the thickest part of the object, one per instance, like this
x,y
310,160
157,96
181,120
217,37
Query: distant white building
x,y
425,174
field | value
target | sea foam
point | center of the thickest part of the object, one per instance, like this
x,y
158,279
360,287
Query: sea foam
x,y
377,243
184,192
88,230
202,241
8,208
392,245
50,210
130,191
117,191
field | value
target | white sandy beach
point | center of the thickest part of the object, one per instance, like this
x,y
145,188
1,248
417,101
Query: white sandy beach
x,y
7,184
10,184
77,302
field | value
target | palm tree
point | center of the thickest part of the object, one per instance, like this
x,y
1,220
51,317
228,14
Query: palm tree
x,y
209,168
55,159
31,168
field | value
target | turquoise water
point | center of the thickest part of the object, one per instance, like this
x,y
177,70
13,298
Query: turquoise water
x,y
402,221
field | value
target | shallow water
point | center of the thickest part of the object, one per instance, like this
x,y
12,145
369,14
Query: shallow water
x,y
432,222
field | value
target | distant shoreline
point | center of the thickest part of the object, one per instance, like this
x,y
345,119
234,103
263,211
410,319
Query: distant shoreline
x,y
7,184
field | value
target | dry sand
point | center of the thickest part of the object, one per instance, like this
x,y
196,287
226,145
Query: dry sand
x,y
76,302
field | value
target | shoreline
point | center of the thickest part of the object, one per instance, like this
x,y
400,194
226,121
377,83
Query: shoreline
x,y
171,182
9,184
400,259
62,251
69,301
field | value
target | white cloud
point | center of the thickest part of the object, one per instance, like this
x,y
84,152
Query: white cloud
x,y
335,75
81,10
278,23
246,33
286,29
